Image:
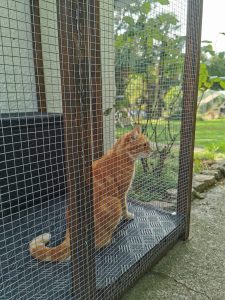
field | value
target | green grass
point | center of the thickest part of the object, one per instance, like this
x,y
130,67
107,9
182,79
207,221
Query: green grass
x,y
147,187
163,134
202,158
210,134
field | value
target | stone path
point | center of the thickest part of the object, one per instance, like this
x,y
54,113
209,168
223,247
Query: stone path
x,y
192,270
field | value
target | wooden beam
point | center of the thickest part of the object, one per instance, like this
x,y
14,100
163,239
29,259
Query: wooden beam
x,y
77,94
38,58
94,45
188,120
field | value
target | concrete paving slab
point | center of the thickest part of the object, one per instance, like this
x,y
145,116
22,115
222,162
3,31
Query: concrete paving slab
x,y
192,270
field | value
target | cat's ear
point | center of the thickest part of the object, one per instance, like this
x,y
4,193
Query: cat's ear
x,y
137,128
135,132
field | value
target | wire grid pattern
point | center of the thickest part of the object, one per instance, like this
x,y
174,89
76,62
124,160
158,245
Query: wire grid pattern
x,y
152,89
75,76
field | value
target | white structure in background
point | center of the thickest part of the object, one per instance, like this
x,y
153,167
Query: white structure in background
x,y
211,104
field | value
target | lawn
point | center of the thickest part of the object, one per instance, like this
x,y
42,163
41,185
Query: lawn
x,y
210,134
163,131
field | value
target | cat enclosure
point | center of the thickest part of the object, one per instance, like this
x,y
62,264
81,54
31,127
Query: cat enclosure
x,y
75,76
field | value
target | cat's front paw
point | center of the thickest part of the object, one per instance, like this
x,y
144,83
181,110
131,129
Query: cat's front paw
x,y
128,216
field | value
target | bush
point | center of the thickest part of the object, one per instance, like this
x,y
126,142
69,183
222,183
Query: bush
x,y
147,187
203,159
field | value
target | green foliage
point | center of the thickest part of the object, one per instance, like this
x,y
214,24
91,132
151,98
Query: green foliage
x,y
129,20
208,49
147,187
205,155
212,69
202,159
216,65
135,89
144,47
199,117
217,83
173,98
145,8
204,82
164,2
210,132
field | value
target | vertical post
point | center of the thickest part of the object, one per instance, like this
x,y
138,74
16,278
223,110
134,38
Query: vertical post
x,y
94,45
38,58
73,22
108,70
190,93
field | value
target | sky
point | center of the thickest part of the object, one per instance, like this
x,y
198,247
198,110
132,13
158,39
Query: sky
x,y
214,23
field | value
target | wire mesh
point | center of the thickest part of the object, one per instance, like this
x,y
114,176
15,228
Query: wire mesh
x,y
97,103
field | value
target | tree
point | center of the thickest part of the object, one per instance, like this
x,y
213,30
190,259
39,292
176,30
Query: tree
x,y
145,47
149,61
216,66
212,69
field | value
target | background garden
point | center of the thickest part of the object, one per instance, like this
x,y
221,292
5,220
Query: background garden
x,y
149,64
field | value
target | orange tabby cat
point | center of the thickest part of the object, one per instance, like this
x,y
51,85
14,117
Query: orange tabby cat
x,y
112,177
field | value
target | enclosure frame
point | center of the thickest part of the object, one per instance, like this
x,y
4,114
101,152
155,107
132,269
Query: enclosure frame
x,y
82,119
191,66
38,58
190,96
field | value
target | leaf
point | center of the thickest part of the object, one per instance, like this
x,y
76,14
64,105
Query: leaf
x,y
167,18
208,49
218,81
129,20
108,111
204,82
164,2
222,84
145,7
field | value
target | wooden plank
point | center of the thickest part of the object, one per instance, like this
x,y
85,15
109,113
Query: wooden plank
x,y
77,108
38,58
96,81
190,93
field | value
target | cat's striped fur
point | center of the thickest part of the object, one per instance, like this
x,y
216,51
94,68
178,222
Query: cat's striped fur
x,y
112,177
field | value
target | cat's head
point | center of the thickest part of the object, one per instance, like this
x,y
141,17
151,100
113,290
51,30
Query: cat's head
x,y
135,144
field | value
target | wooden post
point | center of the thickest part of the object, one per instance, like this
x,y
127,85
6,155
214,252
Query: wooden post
x,y
77,77
38,58
94,45
190,93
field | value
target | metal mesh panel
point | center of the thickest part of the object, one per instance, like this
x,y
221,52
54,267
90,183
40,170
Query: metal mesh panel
x,y
97,111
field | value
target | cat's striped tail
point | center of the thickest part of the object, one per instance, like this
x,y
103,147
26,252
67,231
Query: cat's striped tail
x,y
40,251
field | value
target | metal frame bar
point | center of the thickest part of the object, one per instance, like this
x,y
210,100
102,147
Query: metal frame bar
x,y
190,93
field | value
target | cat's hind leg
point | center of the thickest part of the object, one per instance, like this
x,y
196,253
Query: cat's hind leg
x,y
107,217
